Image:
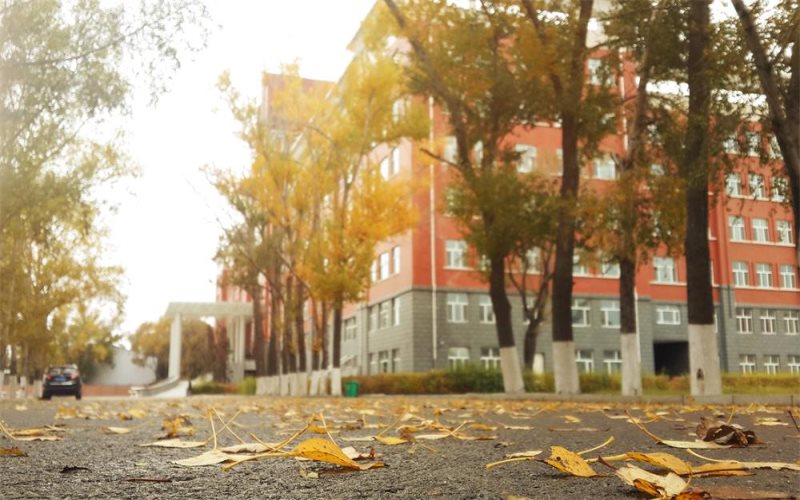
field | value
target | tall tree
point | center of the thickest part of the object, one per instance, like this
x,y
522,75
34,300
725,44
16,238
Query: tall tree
x,y
561,55
704,366
775,49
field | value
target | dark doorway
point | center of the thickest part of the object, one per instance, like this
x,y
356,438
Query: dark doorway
x,y
671,358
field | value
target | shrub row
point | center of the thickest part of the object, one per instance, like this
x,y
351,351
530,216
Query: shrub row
x,y
477,380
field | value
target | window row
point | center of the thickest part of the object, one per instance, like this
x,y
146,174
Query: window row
x,y
756,187
384,361
764,275
759,230
380,316
750,142
458,357
612,361
767,321
457,303
386,265
771,363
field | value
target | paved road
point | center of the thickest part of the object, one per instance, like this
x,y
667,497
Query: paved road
x,y
88,463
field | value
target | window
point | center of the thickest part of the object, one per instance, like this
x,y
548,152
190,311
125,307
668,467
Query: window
x,y
779,189
398,110
612,362
772,363
456,307
385,314
395,260
610,311
486,310
668,315
527,158
791,322
395,167
395,360
579,269
350,328
774,147
764,275
756,184
450,152
580,312
733,185
731,144
585,361
736,226
788,278
744,320
595,76
605,168
793,363
784,230
609,269
768,322
373,363
395,311
386,168
760,230
560,158
665,270
747,363
457,357
455,253
383,266
373,318
534,258
753,143
657,169
490,358
477,149
373,271
741,274
383,361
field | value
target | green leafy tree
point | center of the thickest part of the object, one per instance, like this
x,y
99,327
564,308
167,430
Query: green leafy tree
x,y
151,340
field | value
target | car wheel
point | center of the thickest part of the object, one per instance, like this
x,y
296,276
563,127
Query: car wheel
x,y
78,395
46,395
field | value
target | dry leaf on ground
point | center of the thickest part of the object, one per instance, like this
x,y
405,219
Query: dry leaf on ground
x,y
210,457
664,487
13,451
176,443
569,462
323,450
724,433
115,430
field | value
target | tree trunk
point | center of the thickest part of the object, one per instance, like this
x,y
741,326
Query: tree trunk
x,y
531,335
258,331
703,351
272,352
299,322
565,369
336,373
509,358
629,343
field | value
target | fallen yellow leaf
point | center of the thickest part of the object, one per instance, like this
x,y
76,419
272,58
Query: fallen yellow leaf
x,y
323,450
115,430
176,443
12,452
388,440
569,462
663,487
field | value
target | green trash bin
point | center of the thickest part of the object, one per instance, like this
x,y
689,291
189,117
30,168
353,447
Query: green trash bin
x,y
351,389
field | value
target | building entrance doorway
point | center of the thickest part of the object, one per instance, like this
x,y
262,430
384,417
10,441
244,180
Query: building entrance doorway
x,y
671,358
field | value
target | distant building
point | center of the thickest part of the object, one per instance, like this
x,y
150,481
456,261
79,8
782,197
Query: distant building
x,y
124,371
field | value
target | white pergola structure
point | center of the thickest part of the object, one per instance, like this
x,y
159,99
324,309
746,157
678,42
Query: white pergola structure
x,y
235,314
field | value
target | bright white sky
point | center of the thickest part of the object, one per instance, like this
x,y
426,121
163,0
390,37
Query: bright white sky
x,y
167,227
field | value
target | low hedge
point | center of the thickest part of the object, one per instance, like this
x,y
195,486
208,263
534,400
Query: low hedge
x,y
478,380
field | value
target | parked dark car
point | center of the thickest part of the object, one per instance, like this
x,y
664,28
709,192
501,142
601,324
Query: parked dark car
x,y
61,380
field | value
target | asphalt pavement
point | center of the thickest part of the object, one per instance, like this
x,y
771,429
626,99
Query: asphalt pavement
x,y
90,462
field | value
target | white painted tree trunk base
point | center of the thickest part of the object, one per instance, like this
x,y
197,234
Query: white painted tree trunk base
x,y
512,371
565,371
284,384
538,364
300,384
704,370
12,387
631,364
261,386
37,389
313,389
275,385
2,385
336,382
